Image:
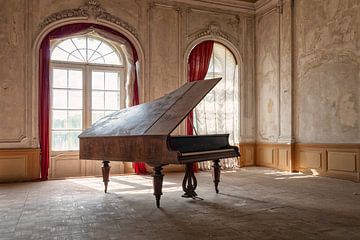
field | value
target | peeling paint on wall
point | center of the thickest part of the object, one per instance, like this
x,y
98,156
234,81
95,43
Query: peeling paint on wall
x,y
327,84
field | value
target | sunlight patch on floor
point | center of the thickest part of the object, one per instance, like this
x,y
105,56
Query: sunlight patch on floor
x,y
133,184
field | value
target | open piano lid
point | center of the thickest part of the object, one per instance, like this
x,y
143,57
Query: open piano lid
x,y
158,117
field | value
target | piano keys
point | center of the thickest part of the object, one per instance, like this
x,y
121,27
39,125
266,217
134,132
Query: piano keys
x,y
142,134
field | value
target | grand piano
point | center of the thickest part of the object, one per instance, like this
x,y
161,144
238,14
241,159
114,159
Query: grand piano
x,y
142,134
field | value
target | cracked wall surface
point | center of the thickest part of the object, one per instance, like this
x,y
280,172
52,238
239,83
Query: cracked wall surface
x,y
327,80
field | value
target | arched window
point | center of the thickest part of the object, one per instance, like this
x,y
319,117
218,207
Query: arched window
x,y
87,82
219,112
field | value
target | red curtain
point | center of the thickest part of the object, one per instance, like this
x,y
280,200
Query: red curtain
x,y
139,167
44,83
198,64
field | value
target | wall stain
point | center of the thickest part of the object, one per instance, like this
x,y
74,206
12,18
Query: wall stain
x,y
347,113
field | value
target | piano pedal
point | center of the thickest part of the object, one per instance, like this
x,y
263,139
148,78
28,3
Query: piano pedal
x,y
192,195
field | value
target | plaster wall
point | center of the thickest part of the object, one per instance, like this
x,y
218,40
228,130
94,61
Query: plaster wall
x,y
166,31
308,75
13,127
274,74
327,79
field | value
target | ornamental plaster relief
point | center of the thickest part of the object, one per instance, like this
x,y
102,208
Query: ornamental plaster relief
x,y
201,23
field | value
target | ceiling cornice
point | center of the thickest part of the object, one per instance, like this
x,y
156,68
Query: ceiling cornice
x,y
229,5
248,7
262,6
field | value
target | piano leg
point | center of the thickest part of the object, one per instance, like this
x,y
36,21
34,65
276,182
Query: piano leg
x,y
157,182
216,175
106,173
189,183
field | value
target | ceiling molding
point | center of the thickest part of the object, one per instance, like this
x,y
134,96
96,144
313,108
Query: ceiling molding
x,y
263,6
229,5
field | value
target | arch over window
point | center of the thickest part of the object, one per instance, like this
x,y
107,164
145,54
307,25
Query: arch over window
x,y
86,49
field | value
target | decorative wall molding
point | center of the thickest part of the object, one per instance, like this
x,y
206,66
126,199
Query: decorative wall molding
x,y
275,155
213,30
18,139
333,160
264,6
226,5
91,11
20,164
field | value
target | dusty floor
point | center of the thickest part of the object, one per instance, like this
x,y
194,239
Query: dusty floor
x,y
254,203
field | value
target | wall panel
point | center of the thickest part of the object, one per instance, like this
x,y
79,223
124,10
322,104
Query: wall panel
x,y
278,156
247,154
19,164
334,160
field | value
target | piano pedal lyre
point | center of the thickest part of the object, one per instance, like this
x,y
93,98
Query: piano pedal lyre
x,y
189,183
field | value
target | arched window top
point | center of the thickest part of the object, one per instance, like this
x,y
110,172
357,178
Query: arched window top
x,y
86,49
221,61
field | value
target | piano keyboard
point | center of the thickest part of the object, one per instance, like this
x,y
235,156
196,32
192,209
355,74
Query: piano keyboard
x,y
206,152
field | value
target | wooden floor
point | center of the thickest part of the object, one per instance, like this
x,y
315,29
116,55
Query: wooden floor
x,y
253,203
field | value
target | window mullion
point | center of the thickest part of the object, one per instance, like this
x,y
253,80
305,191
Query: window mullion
x,y
87,97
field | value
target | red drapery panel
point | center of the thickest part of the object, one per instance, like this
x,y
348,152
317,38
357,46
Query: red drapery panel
x,y
139,167
44,83
198,64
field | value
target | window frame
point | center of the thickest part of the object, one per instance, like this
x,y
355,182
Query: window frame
x,y
86,69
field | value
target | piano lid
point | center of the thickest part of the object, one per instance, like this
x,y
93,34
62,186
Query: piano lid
x,y
158,117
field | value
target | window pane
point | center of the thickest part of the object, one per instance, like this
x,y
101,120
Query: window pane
x,y
59,140
112,58
59,78
67,45
97,80
59,54
112,100
75,119
97,58
75,79
75,99
93,43
111,81
59,98
97,101
59,119
80,42
96,115
73,140
105,49
90,54
76,57
83,54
